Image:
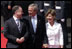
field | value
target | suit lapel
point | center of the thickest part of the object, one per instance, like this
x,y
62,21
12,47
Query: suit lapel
x,y
38,20
31,26
14,24
21,25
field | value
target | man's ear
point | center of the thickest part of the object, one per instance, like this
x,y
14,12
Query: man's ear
x,y
15,12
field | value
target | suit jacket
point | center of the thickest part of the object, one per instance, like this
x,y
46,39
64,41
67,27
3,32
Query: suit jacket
x,y
36,38
11,32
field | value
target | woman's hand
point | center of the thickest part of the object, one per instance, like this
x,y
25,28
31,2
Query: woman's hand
x,y
61,46
45,46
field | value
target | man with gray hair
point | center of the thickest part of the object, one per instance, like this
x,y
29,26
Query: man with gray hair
x,y
36,27
35,8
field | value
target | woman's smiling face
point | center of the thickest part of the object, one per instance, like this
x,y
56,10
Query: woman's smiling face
x,y
50,18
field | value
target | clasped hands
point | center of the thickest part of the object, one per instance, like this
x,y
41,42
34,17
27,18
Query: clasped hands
x,y
21,40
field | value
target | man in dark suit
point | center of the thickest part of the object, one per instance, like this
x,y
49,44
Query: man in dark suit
x,y
15,29
36,27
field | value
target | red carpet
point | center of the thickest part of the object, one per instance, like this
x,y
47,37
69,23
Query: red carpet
x,y
3,40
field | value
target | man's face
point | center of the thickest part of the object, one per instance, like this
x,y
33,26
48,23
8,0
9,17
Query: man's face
x,y
19,12
31,11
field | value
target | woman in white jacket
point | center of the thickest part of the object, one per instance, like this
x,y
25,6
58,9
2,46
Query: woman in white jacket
x,y
53,31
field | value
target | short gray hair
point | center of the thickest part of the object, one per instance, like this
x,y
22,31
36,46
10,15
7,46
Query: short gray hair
x,y
35,6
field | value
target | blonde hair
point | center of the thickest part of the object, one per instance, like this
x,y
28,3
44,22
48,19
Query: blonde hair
x,y
51,11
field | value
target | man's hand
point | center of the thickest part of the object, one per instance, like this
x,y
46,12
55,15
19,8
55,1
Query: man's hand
x,y
45,46
22,39
18,40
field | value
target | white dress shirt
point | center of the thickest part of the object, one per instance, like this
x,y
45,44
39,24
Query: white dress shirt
x,y
17,21
54,33
34,22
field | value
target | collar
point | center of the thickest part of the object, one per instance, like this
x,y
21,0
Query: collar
x,y
15,18
35,17
54,25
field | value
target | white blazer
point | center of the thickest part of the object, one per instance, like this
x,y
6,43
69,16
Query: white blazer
x,y
54,33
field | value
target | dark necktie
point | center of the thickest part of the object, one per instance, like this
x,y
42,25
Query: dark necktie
x,y
18,24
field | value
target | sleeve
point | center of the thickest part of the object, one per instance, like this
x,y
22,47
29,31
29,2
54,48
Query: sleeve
x,y
61,36
7,34
26,34
45,37
45,40
26,26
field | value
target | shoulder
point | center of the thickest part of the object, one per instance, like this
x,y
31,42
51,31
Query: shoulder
x,y
9,20
25,18
41,17
57,24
